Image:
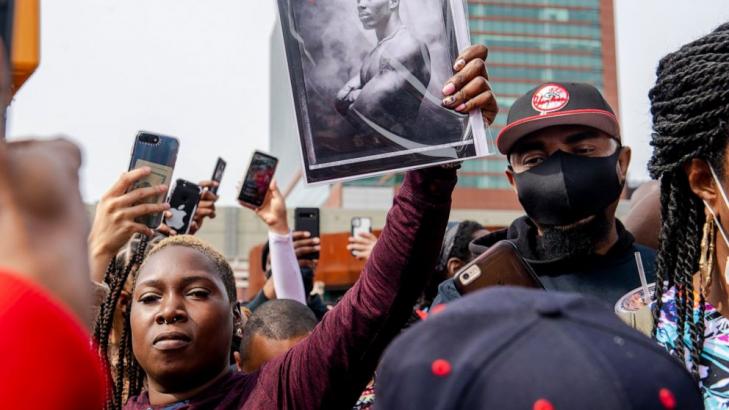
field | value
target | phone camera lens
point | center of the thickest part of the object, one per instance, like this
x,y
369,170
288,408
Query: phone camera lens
x,y
466,276
155,139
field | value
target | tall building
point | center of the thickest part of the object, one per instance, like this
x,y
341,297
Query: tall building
x,y
530,42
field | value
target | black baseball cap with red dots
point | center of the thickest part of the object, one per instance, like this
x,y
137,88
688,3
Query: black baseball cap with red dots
x,y
514,348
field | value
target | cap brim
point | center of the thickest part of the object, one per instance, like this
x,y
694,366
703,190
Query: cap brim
x,y
602,120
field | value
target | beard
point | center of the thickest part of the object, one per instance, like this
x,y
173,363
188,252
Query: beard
x,y
576,240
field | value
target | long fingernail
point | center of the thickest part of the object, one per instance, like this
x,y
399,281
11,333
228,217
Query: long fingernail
x,y
461,107
449,89
316,240
459,64
449,100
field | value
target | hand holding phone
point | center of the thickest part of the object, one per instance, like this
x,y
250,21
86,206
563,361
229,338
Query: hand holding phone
x,y
362,240
115,219
500,265
273,211
257,180
158,152
218,174
183,202
307,220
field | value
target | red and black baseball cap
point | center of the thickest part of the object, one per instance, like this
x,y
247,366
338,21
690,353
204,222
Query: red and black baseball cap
x,y
552,104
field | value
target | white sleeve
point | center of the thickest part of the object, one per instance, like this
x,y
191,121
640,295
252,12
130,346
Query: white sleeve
x,y
286,275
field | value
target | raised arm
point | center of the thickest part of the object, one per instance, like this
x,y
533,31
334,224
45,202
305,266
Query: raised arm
x,y
331,367
285,271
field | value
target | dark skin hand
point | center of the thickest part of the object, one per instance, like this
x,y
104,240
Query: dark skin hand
x,y
181,287
469,88
43,213
114,221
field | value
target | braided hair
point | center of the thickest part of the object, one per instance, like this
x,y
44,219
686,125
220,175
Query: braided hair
x,y
690,107
119,273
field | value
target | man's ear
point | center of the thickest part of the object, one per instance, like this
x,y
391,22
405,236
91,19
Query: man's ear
x,y
510,177
454,265
702,182
624,162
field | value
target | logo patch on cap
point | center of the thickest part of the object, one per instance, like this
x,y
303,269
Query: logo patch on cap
x,y
550,98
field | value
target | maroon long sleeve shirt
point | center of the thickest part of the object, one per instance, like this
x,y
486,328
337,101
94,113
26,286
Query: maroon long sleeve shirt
x,y
333,365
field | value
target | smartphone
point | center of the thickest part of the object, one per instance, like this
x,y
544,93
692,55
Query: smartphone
x,y
258,178
218,174
360,225
159,152
307,220
183,203
500,265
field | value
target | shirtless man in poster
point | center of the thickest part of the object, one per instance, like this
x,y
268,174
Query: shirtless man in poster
x,y
387,93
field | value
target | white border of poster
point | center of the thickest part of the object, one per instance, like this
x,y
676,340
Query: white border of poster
x,y
366,78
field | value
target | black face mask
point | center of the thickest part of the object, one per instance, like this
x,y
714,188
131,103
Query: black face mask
x,y
568,188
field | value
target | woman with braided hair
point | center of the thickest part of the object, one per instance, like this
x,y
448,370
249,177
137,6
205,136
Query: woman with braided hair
x,y
690,107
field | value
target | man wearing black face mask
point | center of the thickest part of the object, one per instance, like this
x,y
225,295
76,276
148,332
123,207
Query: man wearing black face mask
x,y
568,168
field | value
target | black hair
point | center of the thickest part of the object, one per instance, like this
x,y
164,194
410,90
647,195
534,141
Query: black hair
x,y
690,107
464,236
121,268
280,319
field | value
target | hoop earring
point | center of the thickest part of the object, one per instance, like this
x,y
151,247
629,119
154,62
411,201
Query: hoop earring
x,y
706,260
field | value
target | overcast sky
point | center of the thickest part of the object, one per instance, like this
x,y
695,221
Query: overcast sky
x,y
198,70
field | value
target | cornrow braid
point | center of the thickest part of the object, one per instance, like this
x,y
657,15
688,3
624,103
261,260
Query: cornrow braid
x,y
690,107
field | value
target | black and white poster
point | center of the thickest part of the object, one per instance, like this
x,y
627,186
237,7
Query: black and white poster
x,y
367,77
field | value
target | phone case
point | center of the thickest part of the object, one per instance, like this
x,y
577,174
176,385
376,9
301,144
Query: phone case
x,y
307,220
218,174
500,265
258,178
159,152
183,201
361,225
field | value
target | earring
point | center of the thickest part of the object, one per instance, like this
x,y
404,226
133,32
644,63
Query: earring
x,y
239,332
706,260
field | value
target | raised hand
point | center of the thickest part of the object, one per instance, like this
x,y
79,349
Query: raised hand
x,y
114,223
43,220
304,245
273,211
361,245
469,88
206,206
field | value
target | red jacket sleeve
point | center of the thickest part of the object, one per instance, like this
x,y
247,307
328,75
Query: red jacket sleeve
x,y
46,358
333,365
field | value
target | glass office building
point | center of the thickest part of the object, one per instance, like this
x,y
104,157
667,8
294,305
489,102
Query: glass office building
x,y
531,42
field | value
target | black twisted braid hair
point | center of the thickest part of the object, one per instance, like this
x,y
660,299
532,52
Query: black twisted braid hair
x,y
690,107
120,269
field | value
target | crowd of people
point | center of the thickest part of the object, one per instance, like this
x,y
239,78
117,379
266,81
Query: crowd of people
x,y
117,315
